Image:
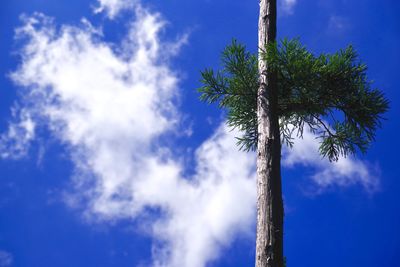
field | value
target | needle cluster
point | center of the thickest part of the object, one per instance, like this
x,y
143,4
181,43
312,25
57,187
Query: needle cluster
x,y
329,94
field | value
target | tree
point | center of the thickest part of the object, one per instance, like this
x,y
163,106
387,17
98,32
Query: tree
x,y
282,92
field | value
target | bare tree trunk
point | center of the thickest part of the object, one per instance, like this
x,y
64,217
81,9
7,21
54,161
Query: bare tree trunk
x,y
269,244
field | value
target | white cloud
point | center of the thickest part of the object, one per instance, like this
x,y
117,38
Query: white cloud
x,y
113,7
345,172
206,211
111,109
14,144
6,259
288,6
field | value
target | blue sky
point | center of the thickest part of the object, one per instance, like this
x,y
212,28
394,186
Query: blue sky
x,y
108,158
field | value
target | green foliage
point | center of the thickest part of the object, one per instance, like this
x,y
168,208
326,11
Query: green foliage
x,y
235,88
329,93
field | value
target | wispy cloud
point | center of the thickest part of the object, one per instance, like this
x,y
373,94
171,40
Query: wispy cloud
x,y
6,259
14,144
113,7
288,6
345,172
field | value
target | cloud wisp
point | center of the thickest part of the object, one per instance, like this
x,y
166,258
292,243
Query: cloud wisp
x,y
14,144
288,6
113,7
111,105
343,173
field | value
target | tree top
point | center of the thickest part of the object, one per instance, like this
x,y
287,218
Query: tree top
x,y
329,94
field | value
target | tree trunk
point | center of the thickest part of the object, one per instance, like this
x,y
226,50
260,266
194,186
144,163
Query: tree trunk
x,y
269,244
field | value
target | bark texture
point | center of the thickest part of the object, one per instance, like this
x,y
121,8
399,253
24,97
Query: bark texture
x,y
269,243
